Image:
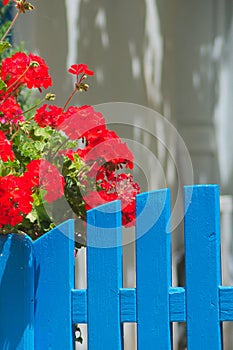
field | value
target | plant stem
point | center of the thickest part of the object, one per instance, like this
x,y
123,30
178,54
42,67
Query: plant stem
x,y
10,27
76,88
69,98
15,134
33,107
28,120
59,147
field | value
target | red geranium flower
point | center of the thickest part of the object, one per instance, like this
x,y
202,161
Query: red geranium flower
x,y
6,152
81,68
10,111
96,198
41,173
105,147
122,187
79,121
5,2
25,69
53,118
15,199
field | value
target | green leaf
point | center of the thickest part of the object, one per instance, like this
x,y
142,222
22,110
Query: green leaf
x,y
39,145
42,214
32,216
38,198
44,132
4,45
2,84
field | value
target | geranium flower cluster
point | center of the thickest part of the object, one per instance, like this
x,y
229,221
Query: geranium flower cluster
x,y
103,151
48,152
16,192
19,71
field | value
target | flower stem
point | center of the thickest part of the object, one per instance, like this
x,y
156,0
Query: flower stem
x,y
15,134
10,27
28,120
69,98
76,88
59,147
33,107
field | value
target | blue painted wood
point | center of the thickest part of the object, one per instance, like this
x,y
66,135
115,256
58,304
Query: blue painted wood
x,y
226,303
54,279
16,293
79,305
48,265
153,261
177,302
128,306
203,272
104,277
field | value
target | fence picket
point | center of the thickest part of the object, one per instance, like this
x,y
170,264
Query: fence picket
x,y
104,277
16,293
54,279
153,262
203,271
41,274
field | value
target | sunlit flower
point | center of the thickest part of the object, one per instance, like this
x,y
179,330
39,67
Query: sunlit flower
x,y
81,68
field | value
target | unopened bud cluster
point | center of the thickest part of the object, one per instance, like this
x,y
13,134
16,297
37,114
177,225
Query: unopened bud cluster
x,y
50,96
23,6
80,87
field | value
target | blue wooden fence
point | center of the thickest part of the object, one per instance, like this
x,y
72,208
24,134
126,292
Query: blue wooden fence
x,y
39,305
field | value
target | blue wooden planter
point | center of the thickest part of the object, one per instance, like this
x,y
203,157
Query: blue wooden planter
x,y
39,305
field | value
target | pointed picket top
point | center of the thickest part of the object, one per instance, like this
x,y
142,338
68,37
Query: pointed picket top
x,y
16,292
54,279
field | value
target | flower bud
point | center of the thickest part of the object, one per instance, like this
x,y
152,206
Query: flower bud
x,y
28,6
23,6
50,96
34,64
85,87
81,87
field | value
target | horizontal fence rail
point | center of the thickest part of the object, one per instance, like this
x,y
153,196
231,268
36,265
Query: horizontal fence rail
x,y
39,305
128,306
